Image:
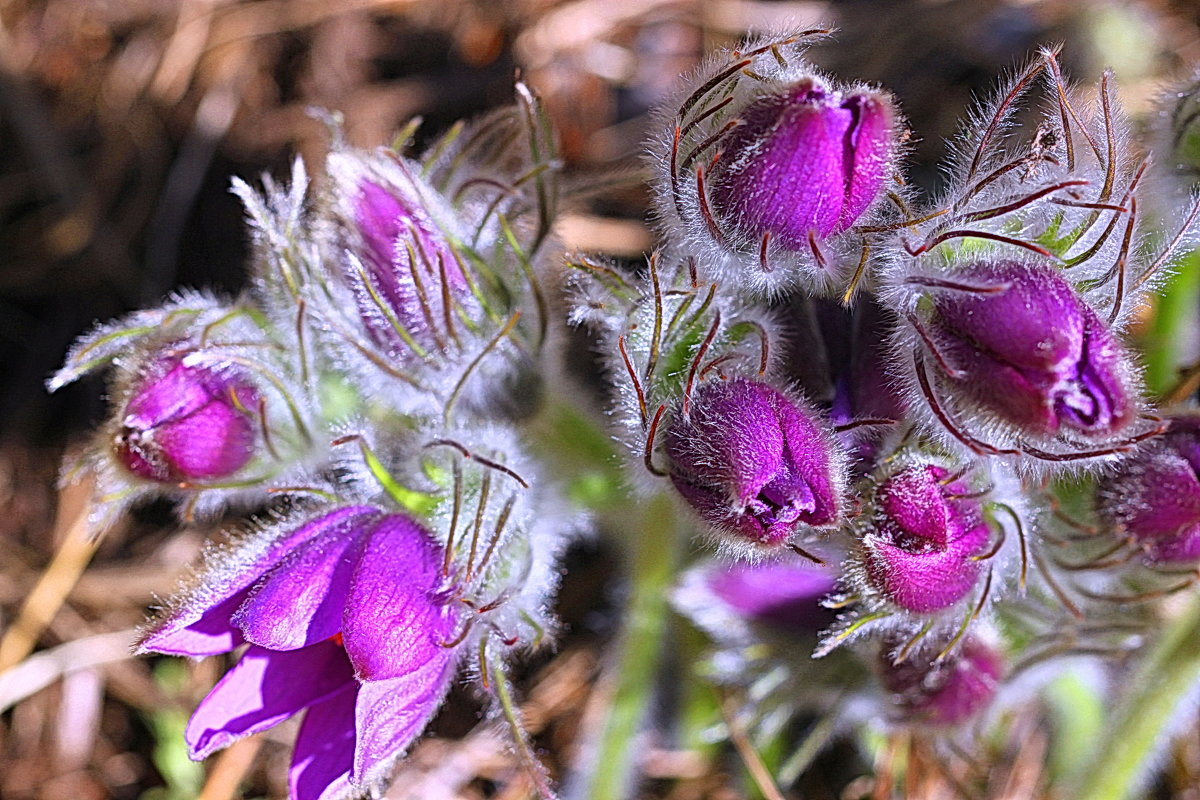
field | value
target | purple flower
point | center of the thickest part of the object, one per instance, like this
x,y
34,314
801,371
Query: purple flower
x,y
1031,352
1154,497
402,267
804,160
344,616
186,423
753,463
925,532
949,693
785,596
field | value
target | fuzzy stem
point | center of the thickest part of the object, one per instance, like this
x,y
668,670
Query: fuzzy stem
x,y
613,763
1140,725
512,716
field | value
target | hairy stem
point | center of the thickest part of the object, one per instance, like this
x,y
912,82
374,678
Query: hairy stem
x,y
1140,725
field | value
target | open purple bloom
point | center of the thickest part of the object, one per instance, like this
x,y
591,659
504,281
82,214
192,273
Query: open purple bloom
x,y
186,423
345,617
949,693
803,160
1154,497
1032,352
752,463
926,532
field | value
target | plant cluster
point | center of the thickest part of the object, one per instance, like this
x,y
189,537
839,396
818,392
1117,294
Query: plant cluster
x,y
913,430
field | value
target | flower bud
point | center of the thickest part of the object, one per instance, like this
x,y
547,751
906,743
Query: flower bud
x,y
1154,497
1023,346
803,160
752,462
187,423
926,530
398,261
949,693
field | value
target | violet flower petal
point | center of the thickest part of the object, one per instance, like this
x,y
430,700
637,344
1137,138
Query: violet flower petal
x,y
324,749
788,176
301,600
391,713
264,688
787,596
1036,324
201,625
394,622
868,145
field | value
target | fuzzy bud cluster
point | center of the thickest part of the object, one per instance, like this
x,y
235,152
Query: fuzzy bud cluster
x,y
977,355
868,402
365,398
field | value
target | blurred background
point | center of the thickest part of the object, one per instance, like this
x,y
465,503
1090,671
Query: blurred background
x,y
121,124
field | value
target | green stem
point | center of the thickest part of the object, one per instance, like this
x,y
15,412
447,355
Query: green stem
x,y
512,716
1140,726
653,553
1170,331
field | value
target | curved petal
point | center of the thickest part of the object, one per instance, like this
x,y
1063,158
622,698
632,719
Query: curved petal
x,y
394,623
324,751
301,600
391,713
201,624
263,689
785,595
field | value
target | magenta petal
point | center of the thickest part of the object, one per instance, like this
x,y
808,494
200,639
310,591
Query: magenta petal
x,y
394,621
787,596
750,461
391,713
1011,326
201,625
786,166
301,600
324,750
869,148
263,689
187,423
209,635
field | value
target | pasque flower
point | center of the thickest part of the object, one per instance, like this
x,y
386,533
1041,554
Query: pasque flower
x,y
399,261
925,531
751,462
943,693
1154,496
345,616
803,160
1017,342
187,423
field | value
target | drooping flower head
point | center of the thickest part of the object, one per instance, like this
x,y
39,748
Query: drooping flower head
x,y
1008,346
803,161
1154,496
753,463
767,173
346,616
926,530
186,423
942,693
